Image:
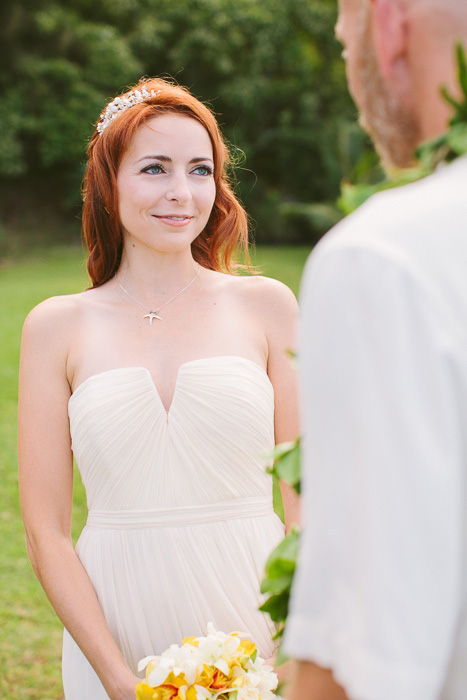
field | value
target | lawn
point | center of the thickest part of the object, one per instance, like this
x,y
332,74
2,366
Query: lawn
x,y
30,634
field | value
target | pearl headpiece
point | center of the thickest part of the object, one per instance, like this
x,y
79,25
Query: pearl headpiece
x,y
120,104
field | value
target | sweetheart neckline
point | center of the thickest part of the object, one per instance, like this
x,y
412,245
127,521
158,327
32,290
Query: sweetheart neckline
x,y
181,367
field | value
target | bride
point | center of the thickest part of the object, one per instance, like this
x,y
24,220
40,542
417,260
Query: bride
x,y
168,379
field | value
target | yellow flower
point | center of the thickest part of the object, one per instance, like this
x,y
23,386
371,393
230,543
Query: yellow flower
x,y
213,679
177,681
190,640
144,692
195,692
247,647
163,692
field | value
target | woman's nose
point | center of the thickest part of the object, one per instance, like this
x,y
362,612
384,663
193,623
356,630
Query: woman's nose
x,y
179,189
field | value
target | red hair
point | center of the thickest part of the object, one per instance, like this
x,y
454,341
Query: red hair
x,y
227,228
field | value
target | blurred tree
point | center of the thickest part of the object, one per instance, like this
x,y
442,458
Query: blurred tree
x,y
57,68
271,70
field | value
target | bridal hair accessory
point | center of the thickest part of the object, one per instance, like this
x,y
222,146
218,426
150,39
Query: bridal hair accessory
x,y
218,666
120,104
153,314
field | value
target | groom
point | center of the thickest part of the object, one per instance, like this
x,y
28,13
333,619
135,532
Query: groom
x,y
379,606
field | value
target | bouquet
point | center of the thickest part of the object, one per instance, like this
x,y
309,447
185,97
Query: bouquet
x,y
215,667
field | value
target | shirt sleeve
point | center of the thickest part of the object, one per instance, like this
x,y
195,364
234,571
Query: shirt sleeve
x,y
377,590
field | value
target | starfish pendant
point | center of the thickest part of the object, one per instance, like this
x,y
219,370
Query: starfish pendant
x,y
151,315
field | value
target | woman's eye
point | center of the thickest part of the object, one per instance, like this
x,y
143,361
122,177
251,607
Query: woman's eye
x,y
203,170
154,169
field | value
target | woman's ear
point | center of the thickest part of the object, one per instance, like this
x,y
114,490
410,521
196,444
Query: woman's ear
x,y
390,29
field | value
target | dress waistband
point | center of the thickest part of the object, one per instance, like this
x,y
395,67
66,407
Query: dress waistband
x,y
180,515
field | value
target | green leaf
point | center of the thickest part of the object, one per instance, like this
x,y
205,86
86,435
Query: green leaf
x,y
353,196
280,627
287,459
283,558
426,150
276,585
283,447
460,107
277,606
457,138
450,99
462,67
288,470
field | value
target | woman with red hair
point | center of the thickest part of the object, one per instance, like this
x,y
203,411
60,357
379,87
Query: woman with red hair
x,y
168,380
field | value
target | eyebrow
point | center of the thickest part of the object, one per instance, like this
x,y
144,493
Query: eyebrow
x,y
166,159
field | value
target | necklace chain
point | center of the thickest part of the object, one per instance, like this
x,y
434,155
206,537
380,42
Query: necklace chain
x,y
152,314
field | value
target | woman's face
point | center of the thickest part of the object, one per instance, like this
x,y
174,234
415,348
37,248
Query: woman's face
x,y
165,183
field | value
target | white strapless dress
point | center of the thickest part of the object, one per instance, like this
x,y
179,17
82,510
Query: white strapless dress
x,y
180,507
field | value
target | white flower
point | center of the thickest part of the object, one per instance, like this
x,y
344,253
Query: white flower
x,y
217,648
159,674
248,693
262,681
174,660
144,662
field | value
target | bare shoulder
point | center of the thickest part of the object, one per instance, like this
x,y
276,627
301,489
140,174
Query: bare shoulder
x,y
264,290
271,299
53,314
50,327
272,307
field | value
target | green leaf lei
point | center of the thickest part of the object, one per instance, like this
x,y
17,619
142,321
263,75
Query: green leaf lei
x,y
281,564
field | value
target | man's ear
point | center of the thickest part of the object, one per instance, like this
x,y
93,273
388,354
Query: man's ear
x,y
390,37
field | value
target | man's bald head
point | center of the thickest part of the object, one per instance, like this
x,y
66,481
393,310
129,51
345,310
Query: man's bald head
x,y
399,53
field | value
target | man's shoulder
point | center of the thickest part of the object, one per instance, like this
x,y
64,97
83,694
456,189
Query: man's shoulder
x,y
428,214
417,232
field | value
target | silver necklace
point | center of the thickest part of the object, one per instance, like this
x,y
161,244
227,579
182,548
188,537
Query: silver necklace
x,y
154,314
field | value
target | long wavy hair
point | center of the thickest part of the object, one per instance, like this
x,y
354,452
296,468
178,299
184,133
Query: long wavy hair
x,y
227,227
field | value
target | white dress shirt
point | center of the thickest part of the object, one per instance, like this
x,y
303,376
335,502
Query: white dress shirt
x,y
380,593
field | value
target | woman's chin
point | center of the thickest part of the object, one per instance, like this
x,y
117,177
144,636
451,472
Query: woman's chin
x,y
173,241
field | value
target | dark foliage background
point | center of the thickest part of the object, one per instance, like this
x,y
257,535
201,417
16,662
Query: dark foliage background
x,y
271,70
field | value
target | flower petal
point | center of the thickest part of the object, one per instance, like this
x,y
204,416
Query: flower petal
x,y
223,666
144,662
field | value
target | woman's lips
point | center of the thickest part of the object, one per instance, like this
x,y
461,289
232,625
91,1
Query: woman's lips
x,y
174,220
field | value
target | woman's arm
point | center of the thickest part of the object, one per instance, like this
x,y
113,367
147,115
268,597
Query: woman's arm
x,y
280,313
275,311
45,479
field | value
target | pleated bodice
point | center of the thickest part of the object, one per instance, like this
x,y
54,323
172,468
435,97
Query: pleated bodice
x,y
209,446
180,518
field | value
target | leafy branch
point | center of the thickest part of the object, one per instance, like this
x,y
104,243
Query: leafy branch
x,y
281,564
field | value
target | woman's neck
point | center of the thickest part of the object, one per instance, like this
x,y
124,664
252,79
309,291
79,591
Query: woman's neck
x,y
150,276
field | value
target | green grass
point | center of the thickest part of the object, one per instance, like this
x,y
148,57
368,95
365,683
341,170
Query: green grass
x,y
30,633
